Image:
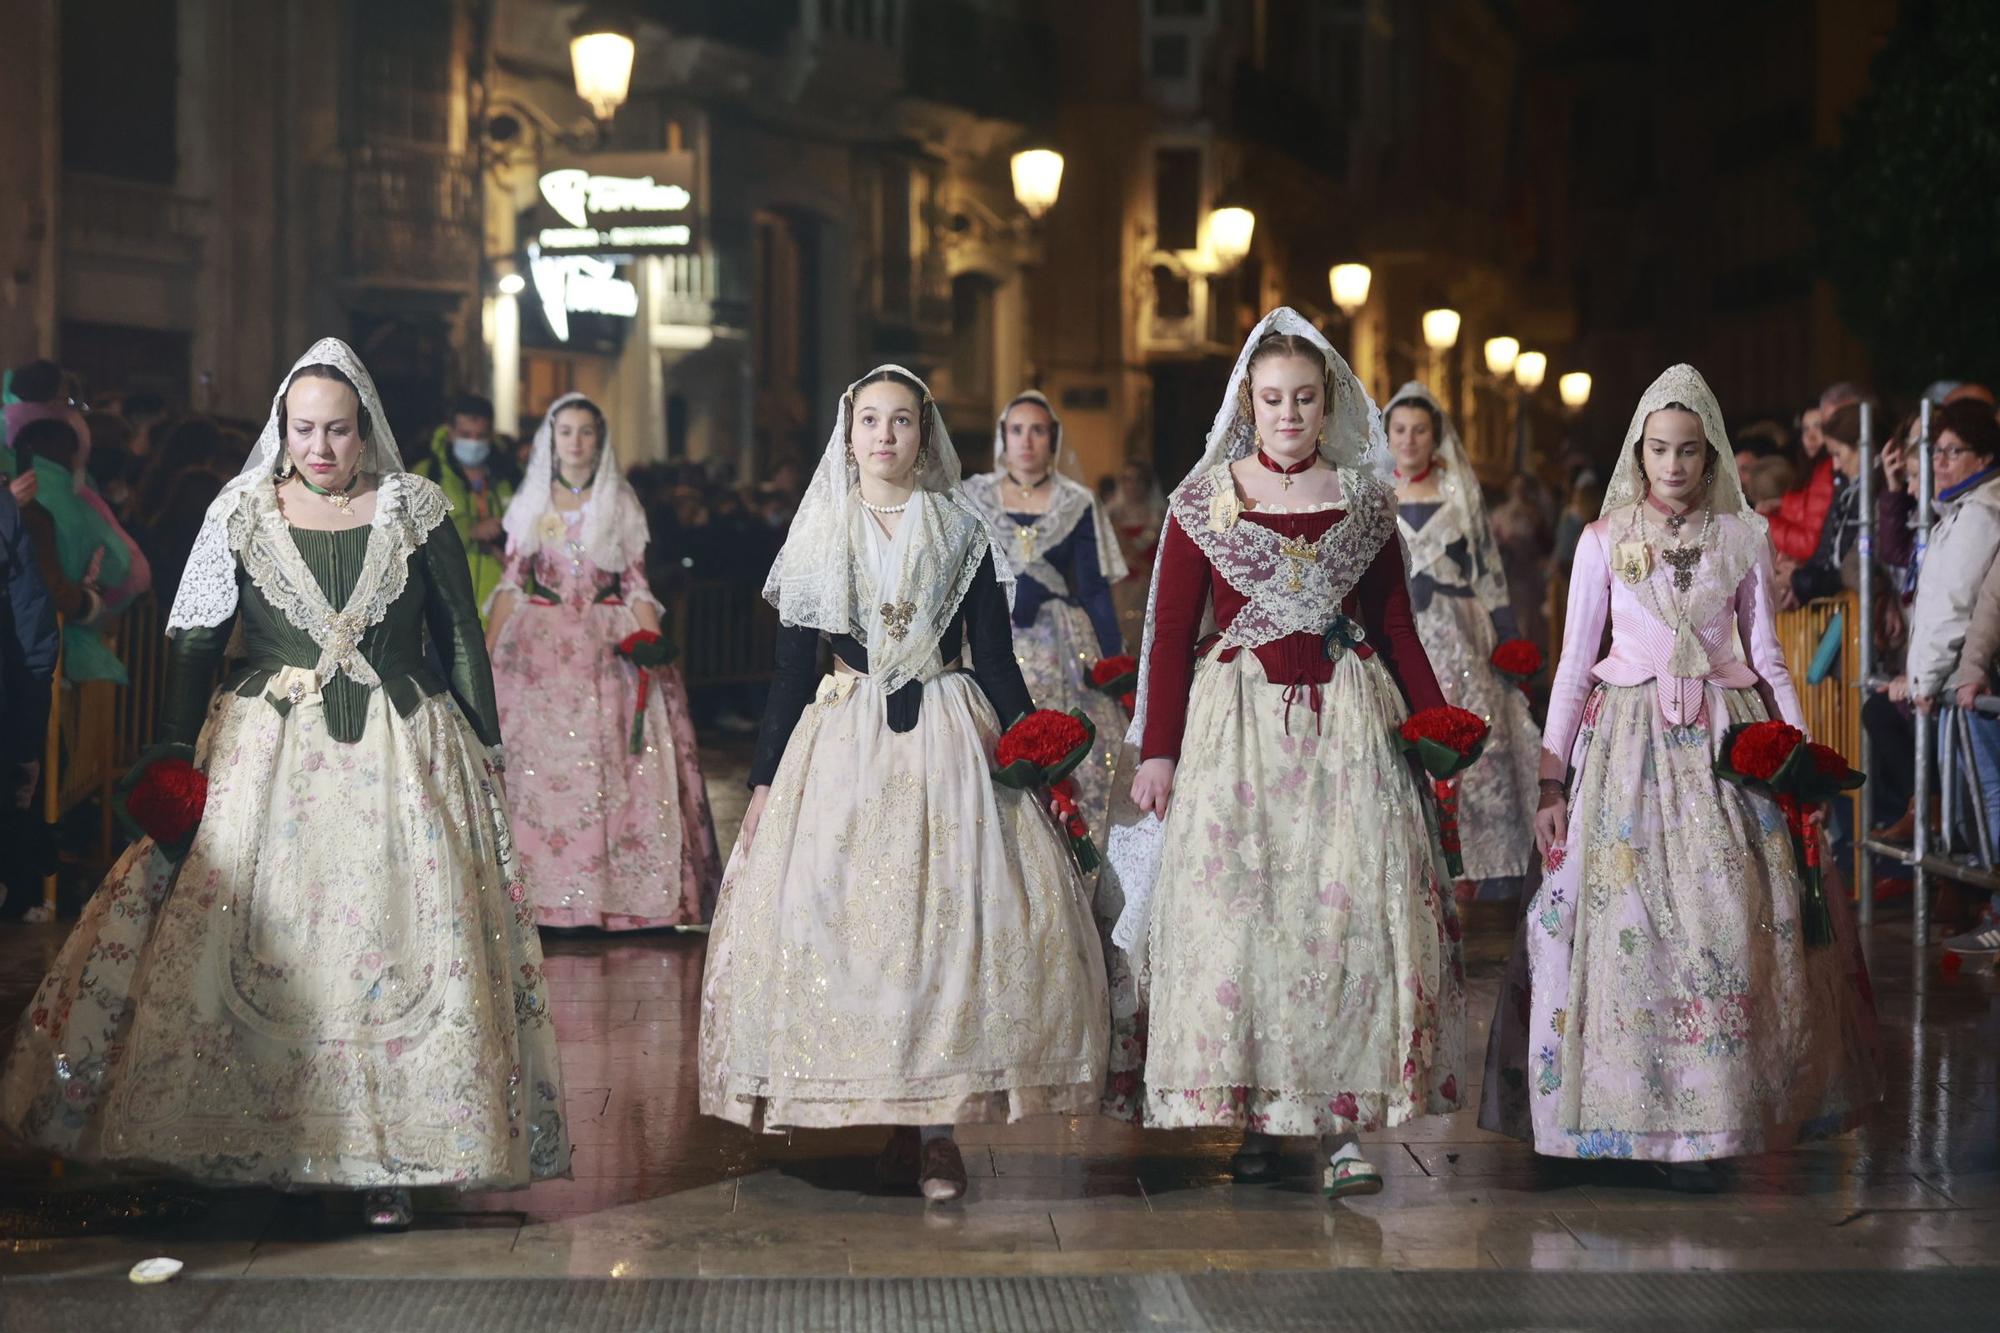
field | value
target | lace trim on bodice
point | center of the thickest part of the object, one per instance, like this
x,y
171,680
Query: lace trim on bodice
x,y
407,507
1290,586
1027,544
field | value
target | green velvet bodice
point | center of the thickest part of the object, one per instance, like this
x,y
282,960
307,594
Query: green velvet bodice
x,y
437,600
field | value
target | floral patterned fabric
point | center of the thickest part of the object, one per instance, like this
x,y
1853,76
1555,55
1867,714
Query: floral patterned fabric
x,y
340,985
905,942
607,838
1056,654
1306,976
1660,1002
1497,795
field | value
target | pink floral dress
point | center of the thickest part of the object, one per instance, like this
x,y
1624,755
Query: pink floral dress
x,y
607,837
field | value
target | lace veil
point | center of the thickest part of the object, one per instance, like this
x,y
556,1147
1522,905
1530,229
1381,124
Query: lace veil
x,y
1458,482
1071,503
207,593
820,581
1681,384
614,522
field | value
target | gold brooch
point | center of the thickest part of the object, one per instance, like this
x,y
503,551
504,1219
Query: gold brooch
x,y
1633,561
896,618
1300,554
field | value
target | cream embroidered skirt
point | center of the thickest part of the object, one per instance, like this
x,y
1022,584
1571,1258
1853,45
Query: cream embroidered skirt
x,y
1305,966
340,985
1056,654
905,942
1660,1003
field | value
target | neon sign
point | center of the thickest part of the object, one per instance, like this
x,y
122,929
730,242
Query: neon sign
x,y
634,212
579,284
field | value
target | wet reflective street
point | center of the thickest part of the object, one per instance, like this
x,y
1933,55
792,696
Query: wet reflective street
x,y
660,1191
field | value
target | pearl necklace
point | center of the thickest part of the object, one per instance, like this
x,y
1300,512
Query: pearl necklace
x,y
882,509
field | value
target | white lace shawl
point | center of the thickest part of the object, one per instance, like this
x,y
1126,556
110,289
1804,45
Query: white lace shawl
x,y
822,578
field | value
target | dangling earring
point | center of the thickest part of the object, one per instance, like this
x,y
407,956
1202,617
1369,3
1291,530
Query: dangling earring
x,y
285,471
923,456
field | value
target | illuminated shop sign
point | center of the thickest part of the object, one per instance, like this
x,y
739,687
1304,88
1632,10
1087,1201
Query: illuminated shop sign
x,y
569,285
625,204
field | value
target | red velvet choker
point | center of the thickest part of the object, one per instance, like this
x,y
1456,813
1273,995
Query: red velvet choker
x,y
1418,479
1287,470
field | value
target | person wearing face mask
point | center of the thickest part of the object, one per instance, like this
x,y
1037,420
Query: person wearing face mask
x,y
479,483
1066,559
610,811
1663,1002
1306,978
901,939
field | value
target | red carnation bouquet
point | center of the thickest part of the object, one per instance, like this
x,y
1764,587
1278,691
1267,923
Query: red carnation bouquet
x,y
165,803
1446,741
1518,660
1043,749
644,649
1118,677
1801,775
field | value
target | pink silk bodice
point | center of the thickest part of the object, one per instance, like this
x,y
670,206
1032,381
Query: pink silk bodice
x,y
1731,597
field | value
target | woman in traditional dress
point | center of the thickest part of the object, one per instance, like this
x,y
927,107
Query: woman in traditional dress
x,y
336,984
1303,951
1661,1002
1065,559
900,940
1459,594
612,834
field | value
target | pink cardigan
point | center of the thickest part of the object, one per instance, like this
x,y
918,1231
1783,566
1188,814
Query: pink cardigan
x,y
1739,600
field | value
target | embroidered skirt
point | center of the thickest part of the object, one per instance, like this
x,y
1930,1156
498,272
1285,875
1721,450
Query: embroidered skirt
x,y
904,942
1497,795
1660,1003
1056,654
340,985
1304,954
607,838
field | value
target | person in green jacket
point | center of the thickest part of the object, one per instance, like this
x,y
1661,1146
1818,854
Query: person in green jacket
x,y
479,483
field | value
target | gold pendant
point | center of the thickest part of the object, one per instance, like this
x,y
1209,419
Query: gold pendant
x,y
1300,554
896,618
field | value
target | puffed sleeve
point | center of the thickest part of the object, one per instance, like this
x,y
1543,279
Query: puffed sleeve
x,y
634,587
453,618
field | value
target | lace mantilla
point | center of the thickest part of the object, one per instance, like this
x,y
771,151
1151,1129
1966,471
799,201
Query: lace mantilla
x,y
1293,587
1681,384
207,592
406,509
614,522
1464,512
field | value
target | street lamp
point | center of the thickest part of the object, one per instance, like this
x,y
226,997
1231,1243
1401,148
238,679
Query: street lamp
x,y
1229,232
1037,179
1350,286
1500,356
512,284
1441,329
1530,369
600,55
1575,390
